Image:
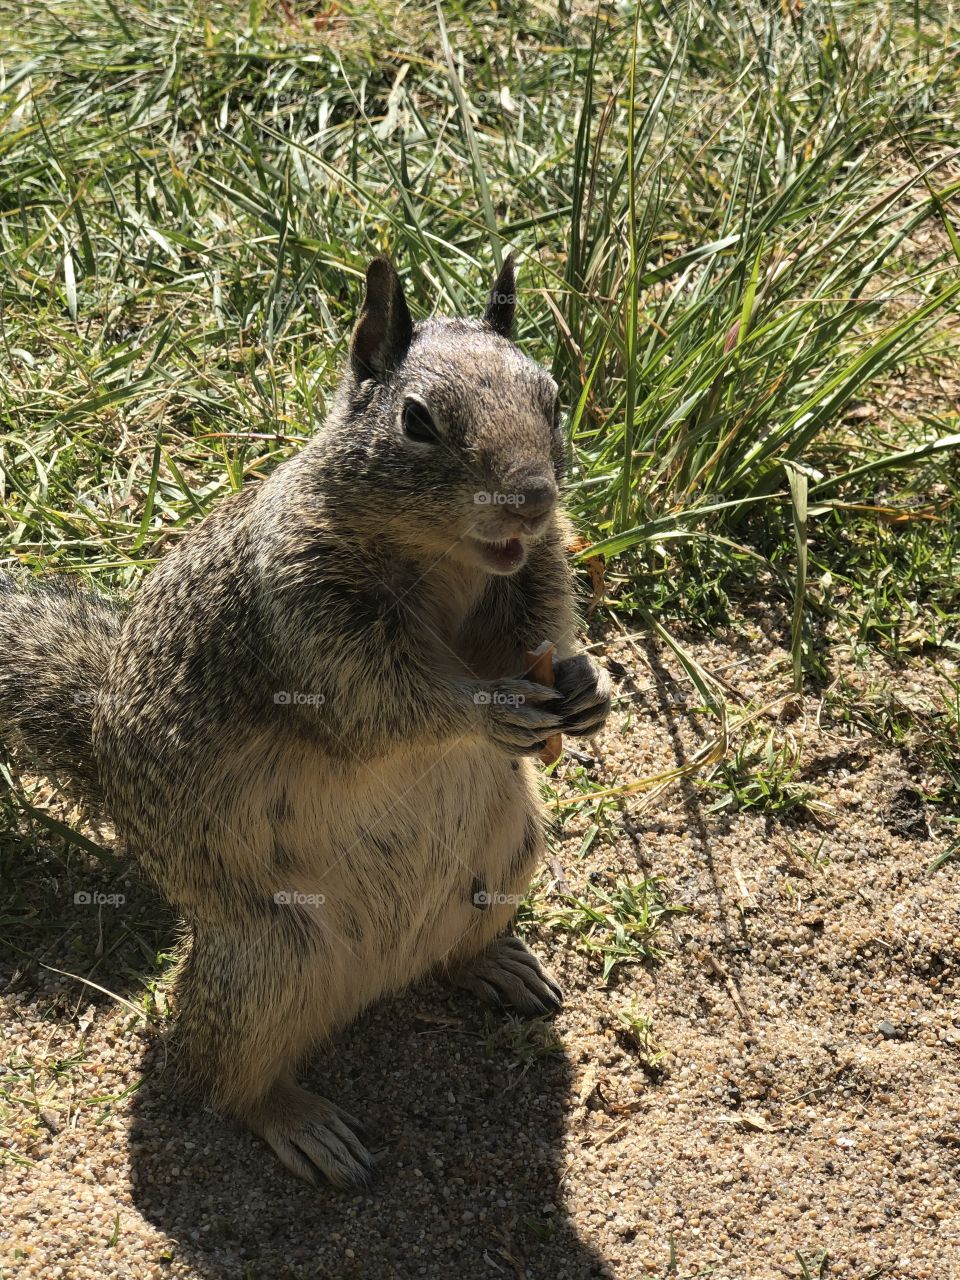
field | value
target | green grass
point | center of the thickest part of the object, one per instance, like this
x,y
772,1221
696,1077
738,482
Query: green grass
x,y
617,925
636,1029
189,194
814,1267
763,773
923,727
525,1040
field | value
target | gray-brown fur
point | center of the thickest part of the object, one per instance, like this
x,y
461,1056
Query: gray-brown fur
x,y
55,643
391,796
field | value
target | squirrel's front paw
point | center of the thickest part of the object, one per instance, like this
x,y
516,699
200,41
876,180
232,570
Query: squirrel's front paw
x,y
518,715
584,690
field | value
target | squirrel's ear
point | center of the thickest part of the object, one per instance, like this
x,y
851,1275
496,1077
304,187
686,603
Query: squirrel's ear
x,y
384,329
502,302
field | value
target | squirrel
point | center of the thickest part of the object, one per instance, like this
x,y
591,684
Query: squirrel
x,y
312,726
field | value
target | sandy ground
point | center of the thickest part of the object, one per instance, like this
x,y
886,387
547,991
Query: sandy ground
x,y
807,1100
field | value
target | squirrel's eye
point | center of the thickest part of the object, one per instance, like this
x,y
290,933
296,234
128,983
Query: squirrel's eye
x,y
417,423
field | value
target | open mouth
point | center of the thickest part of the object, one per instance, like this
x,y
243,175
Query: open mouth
x,y
502,557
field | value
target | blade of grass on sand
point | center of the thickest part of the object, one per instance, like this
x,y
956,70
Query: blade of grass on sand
x,y
799,483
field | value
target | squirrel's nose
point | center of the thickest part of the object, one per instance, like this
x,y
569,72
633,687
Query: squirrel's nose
x,y
537,497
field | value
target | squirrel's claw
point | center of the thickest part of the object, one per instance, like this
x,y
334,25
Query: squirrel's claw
x,y
508,975
585,693
519,715
313,1137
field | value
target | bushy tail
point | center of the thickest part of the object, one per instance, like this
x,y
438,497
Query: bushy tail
x,y
54,647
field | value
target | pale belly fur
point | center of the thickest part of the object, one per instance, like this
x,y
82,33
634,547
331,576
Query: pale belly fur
x,y
399,864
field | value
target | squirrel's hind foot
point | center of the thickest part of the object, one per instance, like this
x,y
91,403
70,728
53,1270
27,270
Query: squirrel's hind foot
x,y
509,975
313,1137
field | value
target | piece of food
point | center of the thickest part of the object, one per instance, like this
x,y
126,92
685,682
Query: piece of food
x,y
540,670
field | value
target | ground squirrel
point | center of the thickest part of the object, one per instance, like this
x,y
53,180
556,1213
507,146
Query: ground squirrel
x,y
312,726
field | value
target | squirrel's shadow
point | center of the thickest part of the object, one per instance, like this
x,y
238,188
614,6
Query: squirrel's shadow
x,y
469,1181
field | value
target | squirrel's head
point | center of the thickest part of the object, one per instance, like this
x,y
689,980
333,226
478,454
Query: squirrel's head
x,y
450,435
